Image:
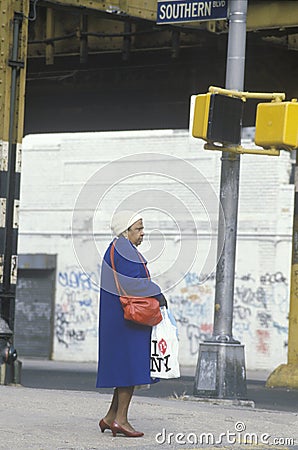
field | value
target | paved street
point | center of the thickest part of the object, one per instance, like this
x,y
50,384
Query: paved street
x,y
61,409
42,419
81,377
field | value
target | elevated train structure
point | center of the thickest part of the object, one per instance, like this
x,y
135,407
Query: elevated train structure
x,y
96,65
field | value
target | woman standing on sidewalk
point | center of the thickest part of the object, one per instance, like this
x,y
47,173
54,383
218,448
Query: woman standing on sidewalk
x,y
124,346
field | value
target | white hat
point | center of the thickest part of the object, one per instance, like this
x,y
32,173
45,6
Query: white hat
x,y
122,220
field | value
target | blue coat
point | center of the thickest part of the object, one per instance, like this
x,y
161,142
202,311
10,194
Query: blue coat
x,y
124,346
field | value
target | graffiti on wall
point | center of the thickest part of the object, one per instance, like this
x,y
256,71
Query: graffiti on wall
x,y
260,309
77,308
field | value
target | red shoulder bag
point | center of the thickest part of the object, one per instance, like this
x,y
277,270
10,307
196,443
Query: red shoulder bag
x,y
142,310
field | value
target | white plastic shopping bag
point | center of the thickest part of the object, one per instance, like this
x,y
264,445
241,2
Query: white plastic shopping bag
x,y
164,349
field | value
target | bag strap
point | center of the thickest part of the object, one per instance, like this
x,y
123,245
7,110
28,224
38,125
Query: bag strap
x,y
119,288
112,254
145,267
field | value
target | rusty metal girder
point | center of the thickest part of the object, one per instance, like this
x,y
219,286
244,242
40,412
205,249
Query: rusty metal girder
x,y
57,32
65,27
8,8
274,14
269,14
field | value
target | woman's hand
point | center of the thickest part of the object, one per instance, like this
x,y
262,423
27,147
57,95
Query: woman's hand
x,y
162,300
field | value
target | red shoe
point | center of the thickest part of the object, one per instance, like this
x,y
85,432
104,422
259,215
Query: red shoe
x,y
103,425
116,428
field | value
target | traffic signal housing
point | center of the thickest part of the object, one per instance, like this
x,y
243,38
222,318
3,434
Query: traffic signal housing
x,y
218,118
277,125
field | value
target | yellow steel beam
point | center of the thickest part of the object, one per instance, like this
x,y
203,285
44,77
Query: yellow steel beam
x,y
286,375
5,72
142,9
92,5
271,14
8,8
57,32
261,14
134,8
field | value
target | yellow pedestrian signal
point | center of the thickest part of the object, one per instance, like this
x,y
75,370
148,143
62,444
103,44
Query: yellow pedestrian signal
x,y
218,118
277,125
201,115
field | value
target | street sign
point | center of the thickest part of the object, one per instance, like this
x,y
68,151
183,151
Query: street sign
x,y
173,11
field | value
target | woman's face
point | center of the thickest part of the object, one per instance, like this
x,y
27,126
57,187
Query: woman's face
x,y
136,233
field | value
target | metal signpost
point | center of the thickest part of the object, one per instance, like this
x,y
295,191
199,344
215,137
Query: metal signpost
x,y
221,365
190,11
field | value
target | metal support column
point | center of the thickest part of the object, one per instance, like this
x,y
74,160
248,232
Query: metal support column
x,y
286,375
221,364
13,53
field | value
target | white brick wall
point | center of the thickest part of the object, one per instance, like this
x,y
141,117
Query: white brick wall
x,y
57,167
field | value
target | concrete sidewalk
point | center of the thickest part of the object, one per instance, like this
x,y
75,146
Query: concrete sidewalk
x,y
41,419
